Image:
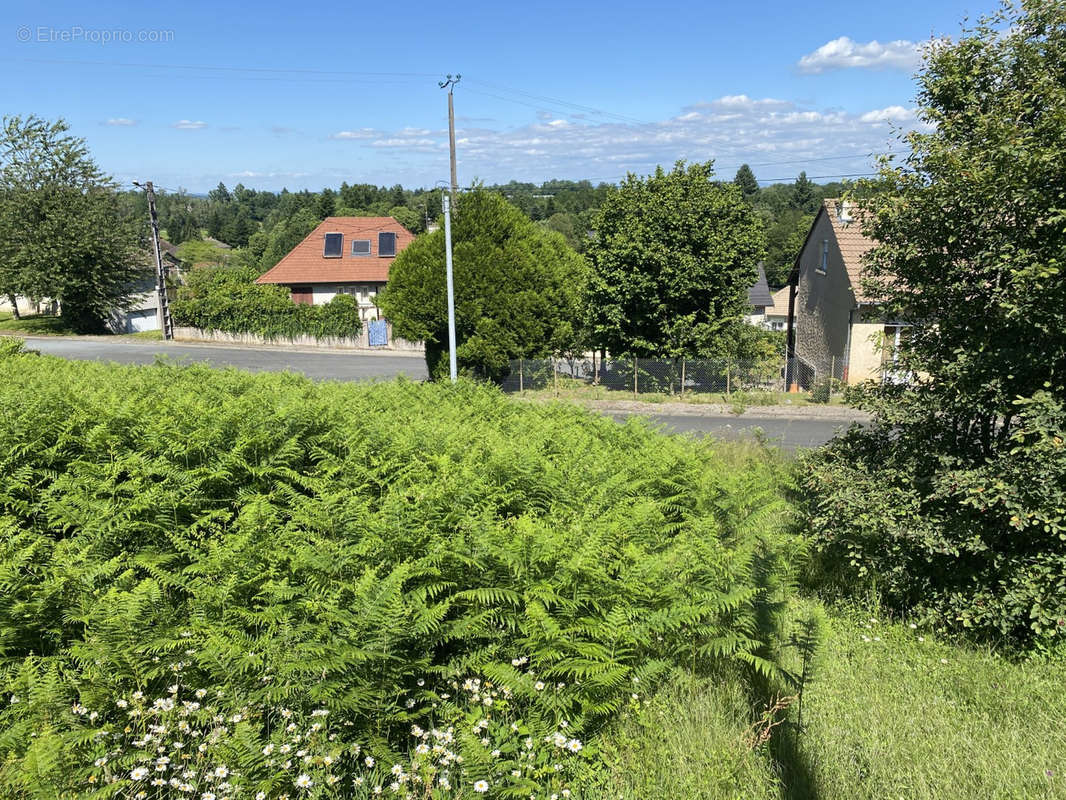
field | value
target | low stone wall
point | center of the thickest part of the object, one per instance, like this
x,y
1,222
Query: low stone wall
x,y
360,342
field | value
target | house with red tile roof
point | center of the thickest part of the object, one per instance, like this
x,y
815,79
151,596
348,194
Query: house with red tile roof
x,y
343,255
838,329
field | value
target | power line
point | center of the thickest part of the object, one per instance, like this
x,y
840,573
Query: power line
x,y
559,102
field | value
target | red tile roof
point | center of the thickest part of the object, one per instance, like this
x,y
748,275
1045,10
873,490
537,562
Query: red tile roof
x,y
305,263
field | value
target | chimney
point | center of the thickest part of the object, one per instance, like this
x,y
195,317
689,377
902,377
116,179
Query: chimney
x,y
844,213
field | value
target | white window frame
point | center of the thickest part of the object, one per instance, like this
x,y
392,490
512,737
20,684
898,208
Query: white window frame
x,y
369,248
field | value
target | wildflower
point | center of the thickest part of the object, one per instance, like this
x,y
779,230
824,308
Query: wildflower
x,y
518,662
236,718
943,661
416,731
320,712
100,762
539,686
369,761
184,787
913,627
481,786
138,695
268,749
79,709
635,696
160,781
422,749
358,780
303,781
574,746
139,773
397,769
220,772
495,754
207,796
201,694
487,701
285,713
14,699
410,703
921,638
260,795
421,681
377,790
394,787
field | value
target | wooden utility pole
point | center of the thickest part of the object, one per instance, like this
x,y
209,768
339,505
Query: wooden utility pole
x,y
162,302
449,84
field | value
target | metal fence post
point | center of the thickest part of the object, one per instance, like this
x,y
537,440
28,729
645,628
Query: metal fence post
x,y
727,387
555,376
521,384
635,359
682,391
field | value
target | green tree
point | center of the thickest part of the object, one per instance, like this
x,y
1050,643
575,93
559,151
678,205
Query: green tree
x,y
409,218
804,196
671,264
63,230
518,288
326,204
964,470
284,236
745,179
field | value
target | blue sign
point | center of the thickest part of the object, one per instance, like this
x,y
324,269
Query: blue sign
x,y
378,331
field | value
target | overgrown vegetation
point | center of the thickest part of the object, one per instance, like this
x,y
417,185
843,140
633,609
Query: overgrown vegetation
x,y
284,545
953,505
228,299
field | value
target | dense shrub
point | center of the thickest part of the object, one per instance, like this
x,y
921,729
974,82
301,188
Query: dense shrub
x,y
354,549
969,543
228,299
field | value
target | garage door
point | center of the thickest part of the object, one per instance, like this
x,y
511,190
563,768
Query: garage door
x,y
138,321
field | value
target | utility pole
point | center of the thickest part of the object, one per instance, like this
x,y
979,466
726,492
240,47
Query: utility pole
x,y
162,302
449,84
446,201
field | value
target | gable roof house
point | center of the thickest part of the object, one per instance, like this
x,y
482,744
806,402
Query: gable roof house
x,y
836,328
759,298
142,314
343,255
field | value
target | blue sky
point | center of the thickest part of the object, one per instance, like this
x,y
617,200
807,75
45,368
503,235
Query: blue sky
x,y
308,95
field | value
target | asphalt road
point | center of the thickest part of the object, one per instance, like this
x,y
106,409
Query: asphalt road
x,y
314,364
789,433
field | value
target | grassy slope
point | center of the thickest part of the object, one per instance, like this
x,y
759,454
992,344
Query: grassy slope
x,y
35,325
899,717
885,718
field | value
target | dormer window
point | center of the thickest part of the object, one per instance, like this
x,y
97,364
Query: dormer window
x,y
360,247
334,245
386,244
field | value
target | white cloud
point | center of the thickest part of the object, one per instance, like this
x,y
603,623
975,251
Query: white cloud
x,y
121,122
189,125
845,53
890,114
362,133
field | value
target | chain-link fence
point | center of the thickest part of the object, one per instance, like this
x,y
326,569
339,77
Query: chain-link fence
x,y
660,376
